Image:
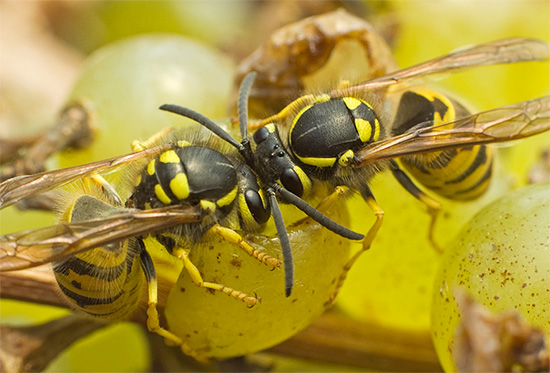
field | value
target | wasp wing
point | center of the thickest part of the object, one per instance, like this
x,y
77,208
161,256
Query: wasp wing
x,y
503,124
503,51
16,188
44,245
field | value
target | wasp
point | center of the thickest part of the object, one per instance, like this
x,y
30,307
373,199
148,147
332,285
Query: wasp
x,y
183,190
345,137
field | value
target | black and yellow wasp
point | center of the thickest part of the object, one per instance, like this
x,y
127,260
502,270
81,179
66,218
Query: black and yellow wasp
x,y
345,137
186,185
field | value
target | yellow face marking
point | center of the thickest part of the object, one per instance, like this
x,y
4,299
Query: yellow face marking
x,y
151,168
182,143
137,181
352,102
180,186
246,216
169,156
161,195
228,198
306,181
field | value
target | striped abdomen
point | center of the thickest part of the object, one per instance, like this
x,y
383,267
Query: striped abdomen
x,y
460,174
104,282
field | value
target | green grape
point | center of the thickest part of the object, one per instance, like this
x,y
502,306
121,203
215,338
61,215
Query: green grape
x,y
502,259
123,84
392,284
219,326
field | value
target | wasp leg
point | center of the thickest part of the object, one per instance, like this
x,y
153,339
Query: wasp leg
x,y
153,320
138,145
367,195
193,271
235,238
344,84
287,111
326,203
433,206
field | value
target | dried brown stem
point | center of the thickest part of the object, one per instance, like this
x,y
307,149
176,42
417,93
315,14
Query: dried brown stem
x,y
31,349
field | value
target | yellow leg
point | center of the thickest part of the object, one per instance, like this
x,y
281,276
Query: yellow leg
x,y
193,271
344,84
235,238
326,203
138,145
367,241
333,198
433,206
287,110
153,319
433,209
153,324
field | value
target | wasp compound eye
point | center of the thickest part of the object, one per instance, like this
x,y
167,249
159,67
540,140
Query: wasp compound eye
x,y
256,206
291,181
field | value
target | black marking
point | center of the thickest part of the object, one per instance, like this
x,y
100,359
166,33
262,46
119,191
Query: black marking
x,y
483,179
83,268
415,109
83,301
479,160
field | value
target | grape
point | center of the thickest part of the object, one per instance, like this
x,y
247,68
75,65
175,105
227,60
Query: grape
x,y
502,259
220,326
391,285
123,84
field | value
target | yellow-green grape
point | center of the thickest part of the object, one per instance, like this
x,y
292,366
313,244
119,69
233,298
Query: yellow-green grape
x,y
123,84
392,284
217,325
502,259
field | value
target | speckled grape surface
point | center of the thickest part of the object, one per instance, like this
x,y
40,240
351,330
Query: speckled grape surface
x,y
219,326
501,258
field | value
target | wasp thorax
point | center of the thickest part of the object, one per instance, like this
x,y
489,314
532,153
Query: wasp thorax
x,y
188,174
324,130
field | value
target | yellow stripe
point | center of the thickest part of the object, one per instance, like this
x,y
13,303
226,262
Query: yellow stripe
x,y
319,162
161,195
306,181
169,156
376,129
179,185
228,198
151,168
352,102
364,129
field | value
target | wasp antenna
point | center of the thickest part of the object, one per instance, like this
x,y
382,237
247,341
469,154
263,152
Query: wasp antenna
x,y
201,119
284,241
244,93
316,215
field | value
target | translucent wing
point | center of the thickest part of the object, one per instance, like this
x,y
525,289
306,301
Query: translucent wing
x,y
14,189
503,124
503,51
35,247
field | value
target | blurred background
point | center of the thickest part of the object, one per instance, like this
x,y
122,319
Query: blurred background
x,y
44,46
